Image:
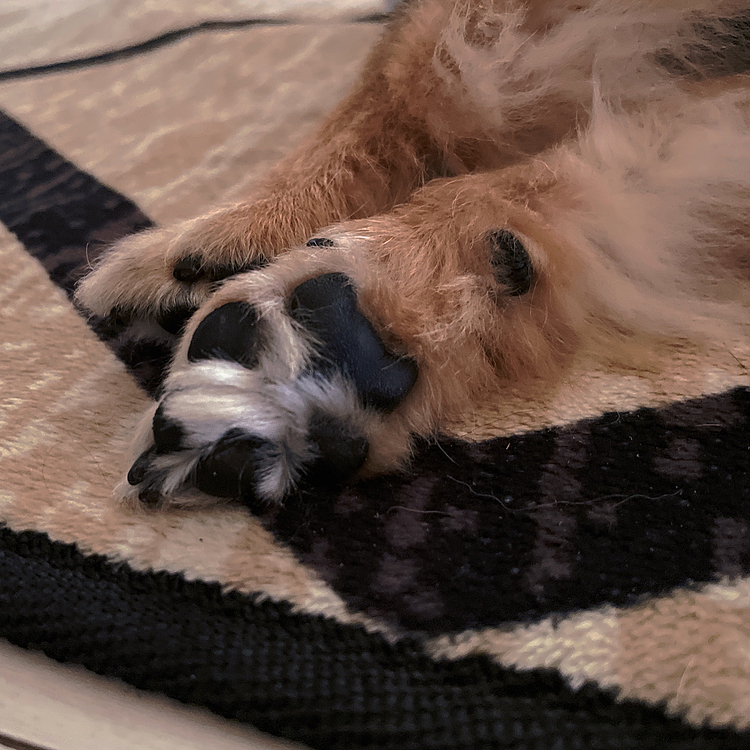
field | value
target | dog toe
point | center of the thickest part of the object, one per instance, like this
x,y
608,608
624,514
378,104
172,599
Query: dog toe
x,y
232,332
169,435
140,467
173,320
234,466
340,450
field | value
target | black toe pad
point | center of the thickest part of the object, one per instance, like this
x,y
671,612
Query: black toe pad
x,y
174,320
511,262
139,469
341,451
168,433
232,332
232,467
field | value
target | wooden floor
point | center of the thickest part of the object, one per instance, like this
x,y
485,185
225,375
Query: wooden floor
x,y
48,706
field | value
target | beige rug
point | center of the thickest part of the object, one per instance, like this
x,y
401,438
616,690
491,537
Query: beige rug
x,y
570,573
38,32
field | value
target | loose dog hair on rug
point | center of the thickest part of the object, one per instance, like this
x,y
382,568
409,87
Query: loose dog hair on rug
x,y
510,185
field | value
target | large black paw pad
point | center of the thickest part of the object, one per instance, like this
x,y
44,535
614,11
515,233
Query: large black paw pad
x,y
232,332
327,307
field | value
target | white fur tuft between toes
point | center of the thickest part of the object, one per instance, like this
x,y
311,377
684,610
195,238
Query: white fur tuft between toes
x,y
209,398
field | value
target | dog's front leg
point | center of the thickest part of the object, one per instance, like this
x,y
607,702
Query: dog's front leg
x,y
371,153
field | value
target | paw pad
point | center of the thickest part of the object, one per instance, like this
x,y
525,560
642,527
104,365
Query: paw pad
x,y
232,332
174,319
340,450
231,468
239,421
511,262
327,307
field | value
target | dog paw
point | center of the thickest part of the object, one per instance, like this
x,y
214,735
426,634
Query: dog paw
x,y
270,391
164,275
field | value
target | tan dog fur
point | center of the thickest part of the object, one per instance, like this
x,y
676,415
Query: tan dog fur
x,y
604,135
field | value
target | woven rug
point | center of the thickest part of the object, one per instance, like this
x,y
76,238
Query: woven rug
x,y
568,573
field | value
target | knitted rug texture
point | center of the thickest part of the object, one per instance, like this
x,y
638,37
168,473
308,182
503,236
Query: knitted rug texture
x,y
572,572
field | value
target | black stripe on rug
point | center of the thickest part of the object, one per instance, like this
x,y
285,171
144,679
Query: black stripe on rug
x,y
14,744
606,510
61,214
148,45
302,677
65,218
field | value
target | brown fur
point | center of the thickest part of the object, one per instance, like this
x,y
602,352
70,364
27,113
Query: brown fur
x,y
592,130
